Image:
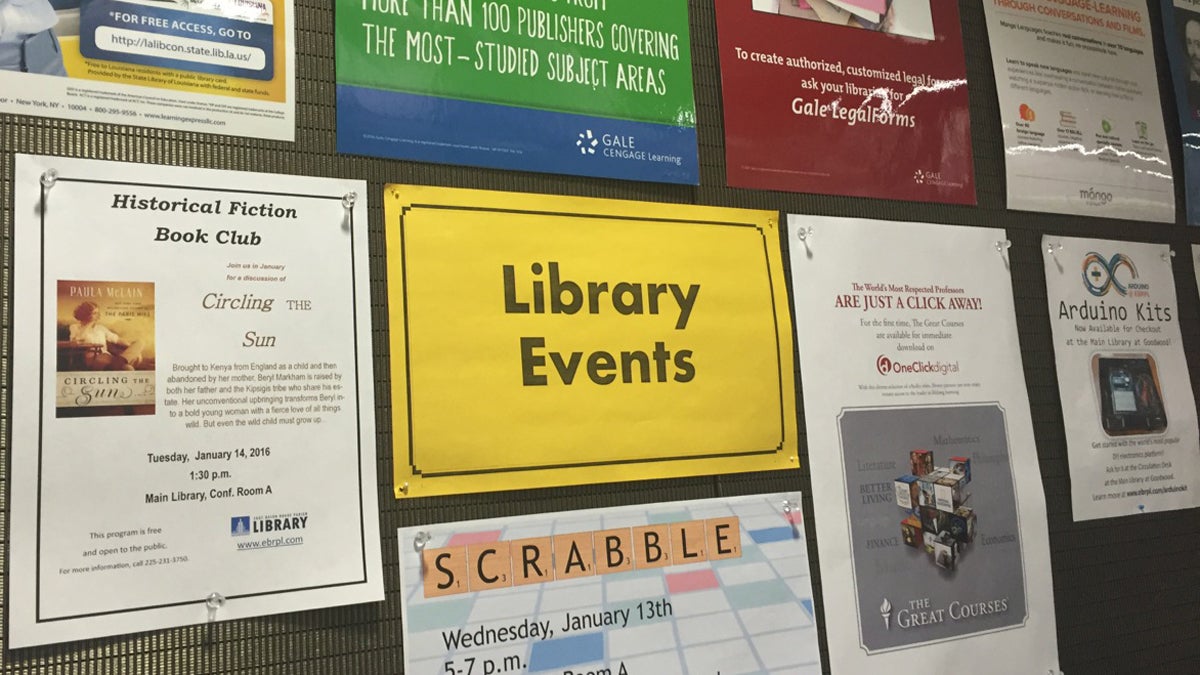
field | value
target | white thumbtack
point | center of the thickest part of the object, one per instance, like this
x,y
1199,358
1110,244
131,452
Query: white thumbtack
x,y
1002,246
49,178
420,541
214,602
349,198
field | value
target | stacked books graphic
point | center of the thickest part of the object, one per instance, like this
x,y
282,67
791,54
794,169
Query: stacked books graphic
x,y
934,503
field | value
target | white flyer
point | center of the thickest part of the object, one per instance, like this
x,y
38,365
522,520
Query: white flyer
x,y
1128,409
193,429
930,515
1079,103
702,586
215,66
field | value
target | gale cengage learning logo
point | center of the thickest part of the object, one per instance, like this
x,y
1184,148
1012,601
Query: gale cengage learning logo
x,y
1100,274
587,142
239,525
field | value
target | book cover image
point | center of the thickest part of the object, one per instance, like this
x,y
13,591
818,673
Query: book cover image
x,y
104,334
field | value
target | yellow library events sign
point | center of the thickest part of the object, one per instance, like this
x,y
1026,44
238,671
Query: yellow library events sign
x,y
539,341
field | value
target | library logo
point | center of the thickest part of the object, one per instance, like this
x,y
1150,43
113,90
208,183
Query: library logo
x,y
587,142
239,525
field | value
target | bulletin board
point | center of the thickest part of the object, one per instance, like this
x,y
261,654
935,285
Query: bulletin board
x,y
1127,590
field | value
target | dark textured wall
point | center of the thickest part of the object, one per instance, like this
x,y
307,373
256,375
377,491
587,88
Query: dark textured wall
x,y
1127,590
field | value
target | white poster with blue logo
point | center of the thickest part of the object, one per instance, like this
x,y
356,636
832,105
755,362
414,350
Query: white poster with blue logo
x,y
193,413
930,515
703,586
597,88
1128,408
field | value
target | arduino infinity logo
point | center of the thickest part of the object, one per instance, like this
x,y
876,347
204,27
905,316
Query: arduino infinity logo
x,y
1100,275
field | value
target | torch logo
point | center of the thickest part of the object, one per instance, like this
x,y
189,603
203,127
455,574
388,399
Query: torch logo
x,y
885,611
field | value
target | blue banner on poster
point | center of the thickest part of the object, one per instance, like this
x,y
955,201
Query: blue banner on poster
x,y
432,129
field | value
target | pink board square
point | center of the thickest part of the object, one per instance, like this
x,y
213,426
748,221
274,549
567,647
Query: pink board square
x,y
468,538
686,582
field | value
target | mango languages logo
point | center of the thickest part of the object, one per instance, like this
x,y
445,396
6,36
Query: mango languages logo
x,y
1100,275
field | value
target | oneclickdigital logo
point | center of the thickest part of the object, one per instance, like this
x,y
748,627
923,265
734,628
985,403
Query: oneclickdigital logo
x,y
887,366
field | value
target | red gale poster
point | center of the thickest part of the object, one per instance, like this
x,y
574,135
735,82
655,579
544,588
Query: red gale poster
x,y
865,98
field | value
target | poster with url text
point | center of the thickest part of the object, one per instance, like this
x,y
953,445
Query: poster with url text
x,y
539,341
1079,102
1181,31
193,398
704,586
594,88
930,515
216,66
1128,408
866,98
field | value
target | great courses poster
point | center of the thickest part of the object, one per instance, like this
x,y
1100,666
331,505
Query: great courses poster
x,y
704,586
193,410
866,98
930,515
1128,408
216,66
574,341
1083,123
587,87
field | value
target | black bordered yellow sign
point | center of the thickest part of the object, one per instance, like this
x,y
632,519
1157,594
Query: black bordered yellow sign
x,y
540,341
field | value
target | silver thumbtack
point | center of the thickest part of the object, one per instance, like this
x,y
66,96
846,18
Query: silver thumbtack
x,y
787,513
1054,249
214,602
1166,257
804,233
349,198
420,541
1002,246
49,178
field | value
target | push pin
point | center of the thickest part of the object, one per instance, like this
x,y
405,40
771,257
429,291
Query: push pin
x,y
214,602
1054,249
49,178
805,233
404,489
787,507
349,198
1166,257
420,540
1002,246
